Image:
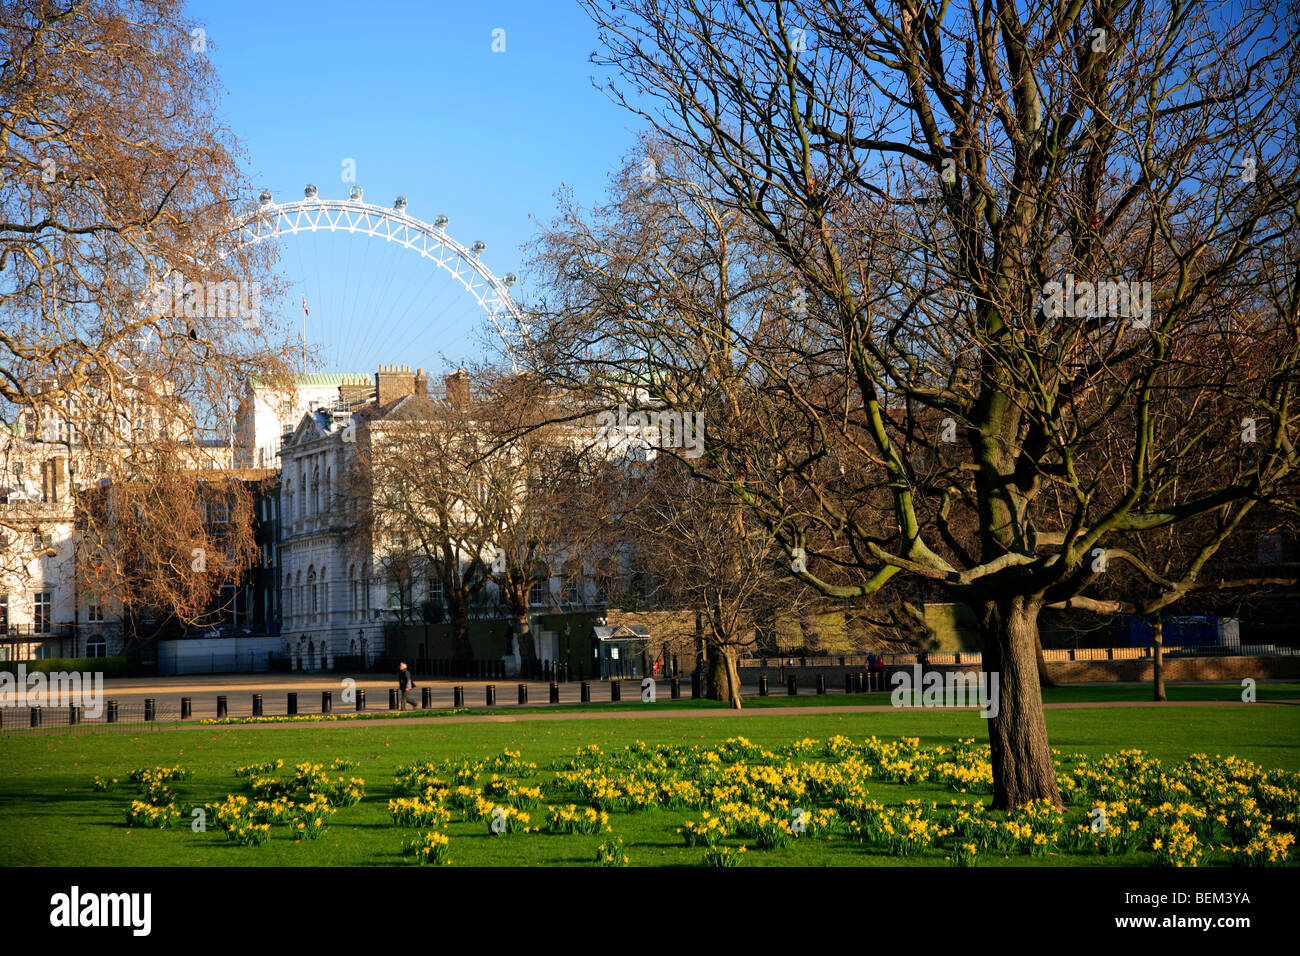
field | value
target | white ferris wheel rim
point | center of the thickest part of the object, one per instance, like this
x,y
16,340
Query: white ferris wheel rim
x,y
272,220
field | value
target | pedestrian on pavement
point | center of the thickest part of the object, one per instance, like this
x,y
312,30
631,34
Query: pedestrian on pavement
x,y
405,684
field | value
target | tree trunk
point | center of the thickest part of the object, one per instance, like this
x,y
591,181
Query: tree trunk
x,y
724,677
1021,754
462,650
527,649
1158,664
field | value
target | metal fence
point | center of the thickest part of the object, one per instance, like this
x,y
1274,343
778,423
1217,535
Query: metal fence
x,y
75,719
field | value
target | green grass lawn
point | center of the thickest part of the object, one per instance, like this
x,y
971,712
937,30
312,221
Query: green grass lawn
x,y
52,816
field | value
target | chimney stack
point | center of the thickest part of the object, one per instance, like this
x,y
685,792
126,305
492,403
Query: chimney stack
x,y
457,385
394,381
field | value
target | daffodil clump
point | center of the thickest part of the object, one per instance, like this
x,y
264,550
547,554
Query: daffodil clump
x,y
514,819
416,812
722,856
511,792
244,822
428,847
963,854
572,819
259,769
141,814
706,832
611,853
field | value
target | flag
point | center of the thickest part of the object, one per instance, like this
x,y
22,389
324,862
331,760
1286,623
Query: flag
x,y
304,306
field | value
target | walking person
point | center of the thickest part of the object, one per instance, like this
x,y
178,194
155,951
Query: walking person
x,y
405,684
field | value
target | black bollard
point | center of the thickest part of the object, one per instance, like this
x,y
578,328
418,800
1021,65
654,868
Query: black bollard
x,y
326,701
555,692
150,708
291,709
257,705
848,683
111,716
458,697
392,698
221,708
74,715
187,707
695,685
426,698
821,683
361,700
762,686
36,717
523,693
677,689
586,692
491,695
792,685
615,690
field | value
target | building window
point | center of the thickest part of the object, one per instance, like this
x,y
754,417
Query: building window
x,y
604,589
435,591
537,594
42,604
569,590
395,594
218,512
95,612
97,646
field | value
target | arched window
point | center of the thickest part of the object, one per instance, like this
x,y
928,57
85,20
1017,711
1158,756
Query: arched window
x,y
288,596
329,491
352,580
324,593
315,491
311,591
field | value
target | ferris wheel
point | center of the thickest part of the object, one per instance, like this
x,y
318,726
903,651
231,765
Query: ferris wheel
x,y
376,329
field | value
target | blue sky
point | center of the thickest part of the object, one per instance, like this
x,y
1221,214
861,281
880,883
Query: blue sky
x,y
414,94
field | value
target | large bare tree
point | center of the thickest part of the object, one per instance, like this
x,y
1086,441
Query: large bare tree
x,y
130,310
972,292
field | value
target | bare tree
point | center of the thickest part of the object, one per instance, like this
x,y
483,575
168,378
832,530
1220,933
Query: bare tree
x,y
131,308
1054,232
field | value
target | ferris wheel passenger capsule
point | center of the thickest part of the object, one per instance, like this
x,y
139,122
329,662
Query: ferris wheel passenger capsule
x,y
309,191
264,198
441,222
509,279
355,193
478,248
399,204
